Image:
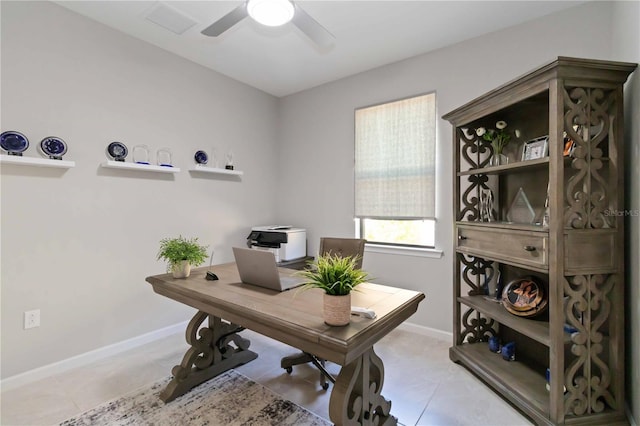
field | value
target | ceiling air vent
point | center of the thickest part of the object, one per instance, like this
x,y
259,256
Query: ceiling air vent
x,y
169,18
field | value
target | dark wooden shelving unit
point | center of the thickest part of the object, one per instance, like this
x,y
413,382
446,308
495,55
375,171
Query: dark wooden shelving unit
x,y
577,255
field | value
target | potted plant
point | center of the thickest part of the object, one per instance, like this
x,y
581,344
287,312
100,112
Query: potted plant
x,y
337,276
181,254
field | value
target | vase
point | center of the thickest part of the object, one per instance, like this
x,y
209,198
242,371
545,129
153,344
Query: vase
x,y
182,269
499,159
336,309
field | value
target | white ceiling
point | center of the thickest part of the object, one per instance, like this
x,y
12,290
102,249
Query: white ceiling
x,y
282,61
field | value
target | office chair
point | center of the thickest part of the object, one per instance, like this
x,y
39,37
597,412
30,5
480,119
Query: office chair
x,y
337,246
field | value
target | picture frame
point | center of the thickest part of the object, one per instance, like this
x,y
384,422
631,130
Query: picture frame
x,y
569,143
569,146
536,148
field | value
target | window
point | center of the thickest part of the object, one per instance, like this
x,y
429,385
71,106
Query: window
x,y
395,171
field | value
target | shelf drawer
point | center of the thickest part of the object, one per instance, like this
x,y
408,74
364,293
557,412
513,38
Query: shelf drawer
x,y
517,247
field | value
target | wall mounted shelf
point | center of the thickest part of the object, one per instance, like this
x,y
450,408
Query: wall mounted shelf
x,y
140,167
215,170
37,162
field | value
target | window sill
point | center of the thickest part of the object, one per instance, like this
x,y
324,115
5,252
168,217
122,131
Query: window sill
x,y
404,251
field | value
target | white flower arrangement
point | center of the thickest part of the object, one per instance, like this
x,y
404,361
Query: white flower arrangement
x,y
499,138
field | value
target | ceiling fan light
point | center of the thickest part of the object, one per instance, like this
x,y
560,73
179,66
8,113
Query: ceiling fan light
x,y
272,13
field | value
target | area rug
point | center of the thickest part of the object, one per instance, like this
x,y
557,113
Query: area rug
x,y
229,399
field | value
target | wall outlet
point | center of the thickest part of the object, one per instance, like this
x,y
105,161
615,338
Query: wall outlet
x,y
32,319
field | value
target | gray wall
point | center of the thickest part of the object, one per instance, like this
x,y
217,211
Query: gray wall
x,y
626,47
317,136
78,245
316,129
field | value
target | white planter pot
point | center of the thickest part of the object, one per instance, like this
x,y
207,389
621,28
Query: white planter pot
x,y
182,270
337,309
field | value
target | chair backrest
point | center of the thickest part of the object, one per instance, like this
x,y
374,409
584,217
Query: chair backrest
x,y
343,247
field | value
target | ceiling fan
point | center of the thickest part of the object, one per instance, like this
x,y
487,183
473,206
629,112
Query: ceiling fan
x,y
273,13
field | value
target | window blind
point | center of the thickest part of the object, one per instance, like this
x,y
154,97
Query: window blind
x,y
395,146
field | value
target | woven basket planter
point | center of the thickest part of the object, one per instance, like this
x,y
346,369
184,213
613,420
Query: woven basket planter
x,y
337,309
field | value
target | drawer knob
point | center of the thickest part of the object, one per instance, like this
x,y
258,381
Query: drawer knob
x,y
461,237
529,248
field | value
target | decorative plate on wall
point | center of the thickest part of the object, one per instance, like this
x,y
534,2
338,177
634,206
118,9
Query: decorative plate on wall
x,y
201,157
117,151
15,143
524,297
53,147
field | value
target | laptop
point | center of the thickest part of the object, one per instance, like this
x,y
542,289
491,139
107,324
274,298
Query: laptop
x,y
258,267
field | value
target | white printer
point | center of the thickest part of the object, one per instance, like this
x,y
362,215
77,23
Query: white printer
x,y
285,242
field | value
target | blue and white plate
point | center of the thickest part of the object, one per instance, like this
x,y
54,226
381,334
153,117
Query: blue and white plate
x,y
117,150
54,147
525,297
201,157
15,143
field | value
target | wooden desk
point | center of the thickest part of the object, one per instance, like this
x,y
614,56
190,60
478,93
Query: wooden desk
x,y
293,317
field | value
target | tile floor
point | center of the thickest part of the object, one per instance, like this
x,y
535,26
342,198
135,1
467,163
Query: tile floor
x,y
424,386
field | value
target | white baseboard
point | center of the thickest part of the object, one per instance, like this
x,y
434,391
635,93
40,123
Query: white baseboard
x,y
445,336
89,357
116,348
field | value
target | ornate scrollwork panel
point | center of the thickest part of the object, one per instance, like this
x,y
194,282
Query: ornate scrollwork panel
x,y
210,354
356,398
588,374
470,272
588,121
475,327
470,198
472,269
475,152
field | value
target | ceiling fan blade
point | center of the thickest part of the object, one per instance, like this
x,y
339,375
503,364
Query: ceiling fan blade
x,y
227,21
316,32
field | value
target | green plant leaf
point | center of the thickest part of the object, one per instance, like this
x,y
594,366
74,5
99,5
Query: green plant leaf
x,y
334,274
176,250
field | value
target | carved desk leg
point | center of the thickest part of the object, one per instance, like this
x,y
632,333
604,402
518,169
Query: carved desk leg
x,y
356,398
209,355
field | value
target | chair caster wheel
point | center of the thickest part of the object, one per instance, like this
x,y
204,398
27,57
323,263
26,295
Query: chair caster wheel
x,y
289,370
325,386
